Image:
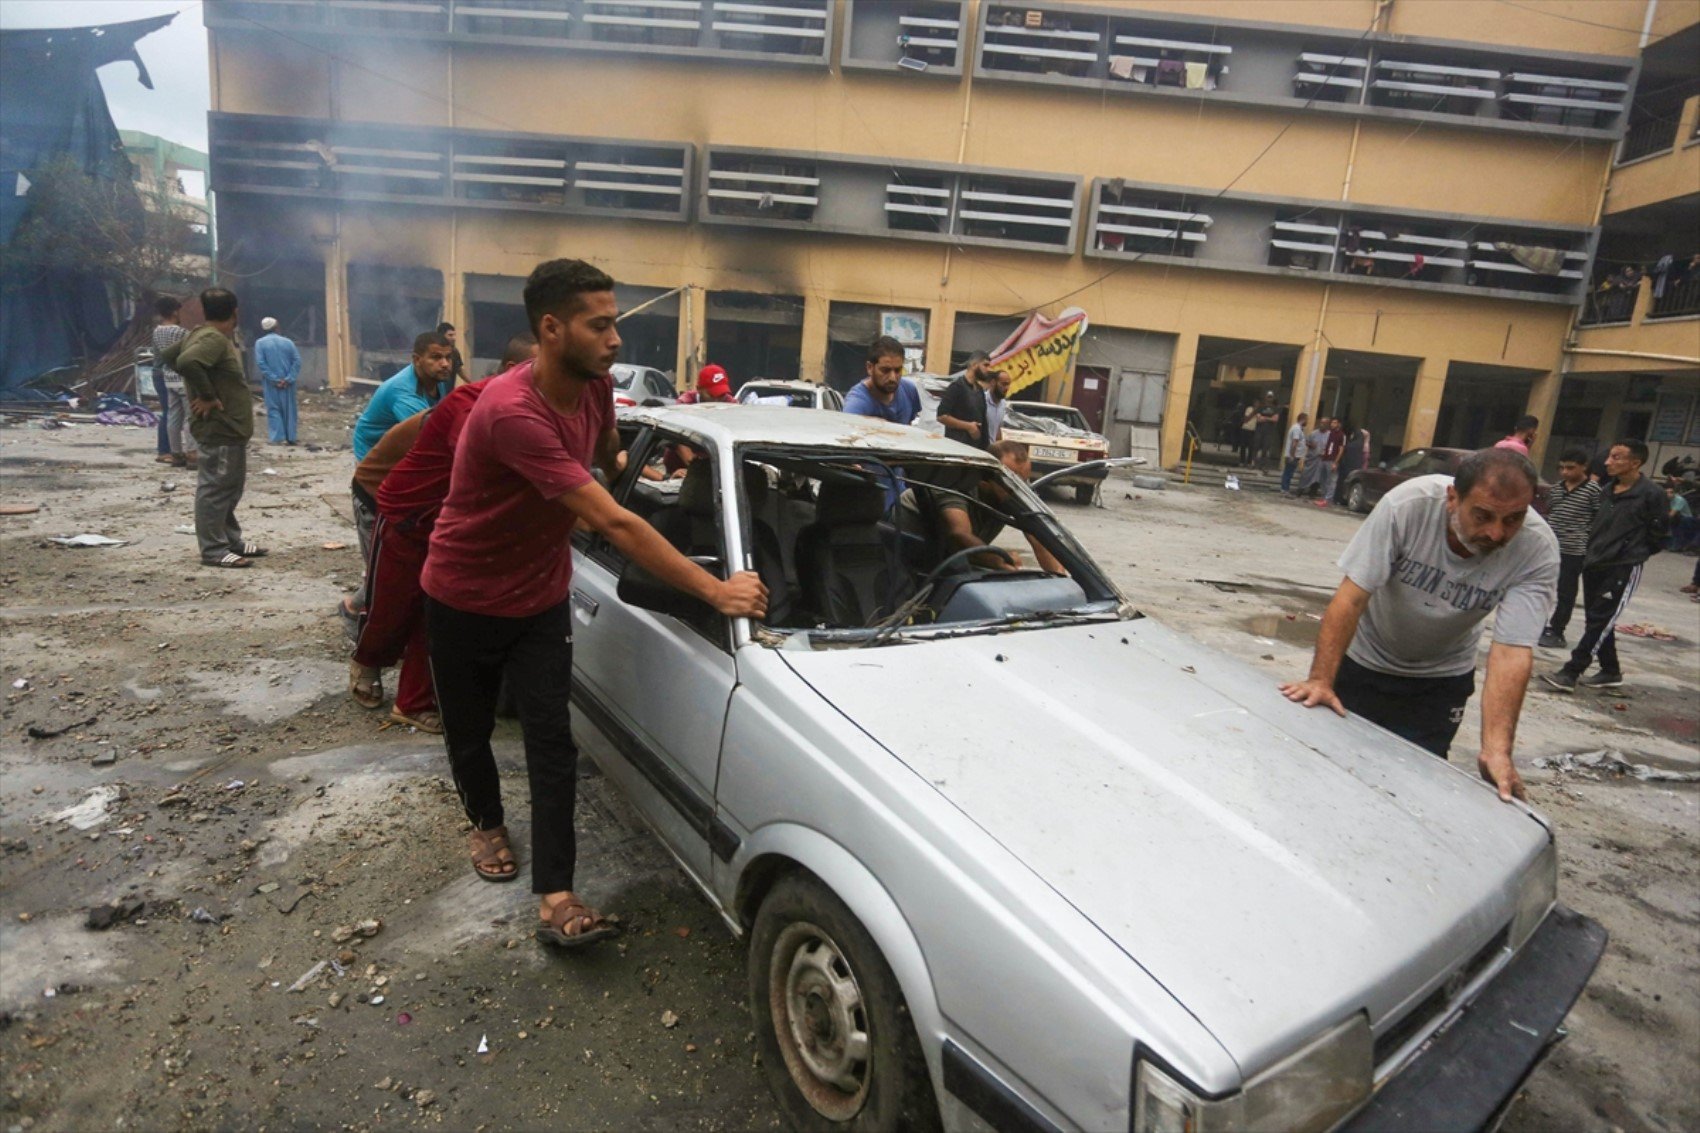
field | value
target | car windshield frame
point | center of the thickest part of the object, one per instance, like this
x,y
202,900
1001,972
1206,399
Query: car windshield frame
x,y
1023,512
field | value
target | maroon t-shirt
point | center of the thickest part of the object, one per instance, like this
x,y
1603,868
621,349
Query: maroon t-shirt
x,y
502,546
416,487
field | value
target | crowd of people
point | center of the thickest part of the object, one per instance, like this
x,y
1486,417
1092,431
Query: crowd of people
x,y
465,495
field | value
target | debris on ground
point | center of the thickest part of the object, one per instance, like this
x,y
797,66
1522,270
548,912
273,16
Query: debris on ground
x,y
1647,630
37,732
86,540
1612,765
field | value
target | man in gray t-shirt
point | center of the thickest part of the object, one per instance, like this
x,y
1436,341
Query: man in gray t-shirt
x,y
1398,642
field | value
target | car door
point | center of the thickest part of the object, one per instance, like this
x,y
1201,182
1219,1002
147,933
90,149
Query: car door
x,y
656,686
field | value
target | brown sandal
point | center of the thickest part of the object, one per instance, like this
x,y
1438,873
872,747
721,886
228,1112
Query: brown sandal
x,y
566,912
488,848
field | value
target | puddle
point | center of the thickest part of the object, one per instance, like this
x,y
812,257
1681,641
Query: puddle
x,y
50,951
1295,629
268,691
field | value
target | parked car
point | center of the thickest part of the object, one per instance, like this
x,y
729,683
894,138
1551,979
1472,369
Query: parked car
x,y
641,385
1058,438
1366,486
797,395
1098,877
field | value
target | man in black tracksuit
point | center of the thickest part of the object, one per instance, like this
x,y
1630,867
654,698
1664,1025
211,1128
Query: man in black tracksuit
x,y
1628,529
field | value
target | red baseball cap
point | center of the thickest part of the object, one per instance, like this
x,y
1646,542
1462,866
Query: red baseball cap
x,y
712,380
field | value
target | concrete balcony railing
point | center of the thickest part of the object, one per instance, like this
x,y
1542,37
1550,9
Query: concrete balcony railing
x,y
1662,326
1663,164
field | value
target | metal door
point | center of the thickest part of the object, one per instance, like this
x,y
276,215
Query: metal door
x,y
1090,394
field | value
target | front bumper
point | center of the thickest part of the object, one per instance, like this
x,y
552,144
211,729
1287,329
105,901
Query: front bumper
x,y
1468,1072
1093,475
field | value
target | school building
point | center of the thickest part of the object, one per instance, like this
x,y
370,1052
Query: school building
x,y
1397,211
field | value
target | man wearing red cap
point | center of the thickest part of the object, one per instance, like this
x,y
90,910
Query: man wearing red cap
x,y
712,385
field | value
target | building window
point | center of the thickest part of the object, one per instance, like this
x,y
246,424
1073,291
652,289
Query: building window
x,y
1005,208
1142,222
760,188
915,35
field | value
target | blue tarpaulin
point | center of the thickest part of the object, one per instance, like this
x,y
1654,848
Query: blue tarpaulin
x,y
52,106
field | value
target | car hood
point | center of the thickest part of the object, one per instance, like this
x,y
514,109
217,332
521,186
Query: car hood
x,y
1275,868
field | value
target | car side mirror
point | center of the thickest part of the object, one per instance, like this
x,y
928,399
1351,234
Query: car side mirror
x,y
638,587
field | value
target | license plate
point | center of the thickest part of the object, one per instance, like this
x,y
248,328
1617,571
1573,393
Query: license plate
x,y
1042,452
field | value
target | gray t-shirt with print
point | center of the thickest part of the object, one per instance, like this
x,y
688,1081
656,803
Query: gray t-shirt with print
x,y
1427,604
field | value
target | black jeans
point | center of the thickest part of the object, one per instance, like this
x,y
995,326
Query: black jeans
x,y
1424,710
1605,592
470,654
1569,574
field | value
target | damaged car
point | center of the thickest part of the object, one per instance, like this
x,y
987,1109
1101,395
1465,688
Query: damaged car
x,y
1009,854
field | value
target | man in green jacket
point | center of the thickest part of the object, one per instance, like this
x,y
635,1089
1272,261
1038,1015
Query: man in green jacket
x,y
223,422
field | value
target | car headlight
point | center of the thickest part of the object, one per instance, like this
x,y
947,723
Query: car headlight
x,y
1538,892
1309,1091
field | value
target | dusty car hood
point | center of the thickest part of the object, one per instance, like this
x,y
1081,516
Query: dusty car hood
x,y
1276,869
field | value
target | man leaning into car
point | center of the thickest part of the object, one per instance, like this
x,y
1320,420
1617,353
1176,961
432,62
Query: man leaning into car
x,y
499,573
1398,641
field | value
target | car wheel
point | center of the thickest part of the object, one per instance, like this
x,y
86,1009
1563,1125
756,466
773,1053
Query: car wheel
x,y
1083,493
1356,498
836,1040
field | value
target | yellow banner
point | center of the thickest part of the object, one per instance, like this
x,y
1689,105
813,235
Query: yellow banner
x,y
1040,351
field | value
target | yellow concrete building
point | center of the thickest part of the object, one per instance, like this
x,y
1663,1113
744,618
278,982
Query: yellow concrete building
x,y
1385,209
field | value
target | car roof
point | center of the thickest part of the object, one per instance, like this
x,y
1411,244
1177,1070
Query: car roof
x,y
781,383
726,423
1044,404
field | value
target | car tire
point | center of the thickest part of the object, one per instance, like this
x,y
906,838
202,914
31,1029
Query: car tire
x,y
820,992
1083,493
1356,499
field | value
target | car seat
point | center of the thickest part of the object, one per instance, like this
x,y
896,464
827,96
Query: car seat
x,y
848,573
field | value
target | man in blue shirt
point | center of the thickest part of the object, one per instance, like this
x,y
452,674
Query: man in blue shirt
x,y
885,393
413,389
279,364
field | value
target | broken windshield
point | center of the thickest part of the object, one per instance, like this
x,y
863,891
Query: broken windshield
x,y
872,547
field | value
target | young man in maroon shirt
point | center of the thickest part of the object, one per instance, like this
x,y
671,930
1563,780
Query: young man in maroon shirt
x,y
499,572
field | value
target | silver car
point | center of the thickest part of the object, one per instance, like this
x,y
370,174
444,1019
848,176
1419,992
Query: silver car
x,y
641,385
1008,854
795,394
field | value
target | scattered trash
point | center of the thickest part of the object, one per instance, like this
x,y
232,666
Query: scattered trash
x,y
1151,483
268,472
377,1001
669,1020
483,1045
201,916
184,529
104,759
37,732
309,976
268,887
18,509
425,1098
127,415
235,785
682,932
403,1019
102,917
20,683
1647,630
1612,764
86,540
335,546
89,813
168,486
1232,483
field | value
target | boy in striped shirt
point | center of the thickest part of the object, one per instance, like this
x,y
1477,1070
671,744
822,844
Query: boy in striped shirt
x,y
1574,501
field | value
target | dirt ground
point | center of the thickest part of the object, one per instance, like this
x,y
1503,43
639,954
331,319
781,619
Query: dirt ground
x,y
298,942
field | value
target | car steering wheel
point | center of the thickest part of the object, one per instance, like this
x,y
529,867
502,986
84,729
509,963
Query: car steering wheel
x,y
951,560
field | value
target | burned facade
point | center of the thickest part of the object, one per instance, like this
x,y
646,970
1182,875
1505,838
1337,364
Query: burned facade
x,y
1353,207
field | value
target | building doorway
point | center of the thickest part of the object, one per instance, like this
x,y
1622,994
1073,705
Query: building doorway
x,y
1091,394
754,335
